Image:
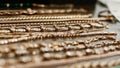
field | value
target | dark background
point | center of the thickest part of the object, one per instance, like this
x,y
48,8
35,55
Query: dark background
x,y
50,1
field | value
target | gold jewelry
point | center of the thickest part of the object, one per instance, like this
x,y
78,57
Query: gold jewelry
x,y
35,36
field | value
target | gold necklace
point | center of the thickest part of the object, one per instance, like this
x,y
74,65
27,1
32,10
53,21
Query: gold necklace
x,y
35,36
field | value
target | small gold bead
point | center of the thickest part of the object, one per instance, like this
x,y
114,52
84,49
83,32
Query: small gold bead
x,y
70,53
25,59
106,49
89,51
19,52
48,56
35,52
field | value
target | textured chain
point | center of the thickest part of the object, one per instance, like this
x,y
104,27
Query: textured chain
x,y
29,11
56,50
35,36
8,28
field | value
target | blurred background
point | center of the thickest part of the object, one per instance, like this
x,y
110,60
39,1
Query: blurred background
x,y
29,3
